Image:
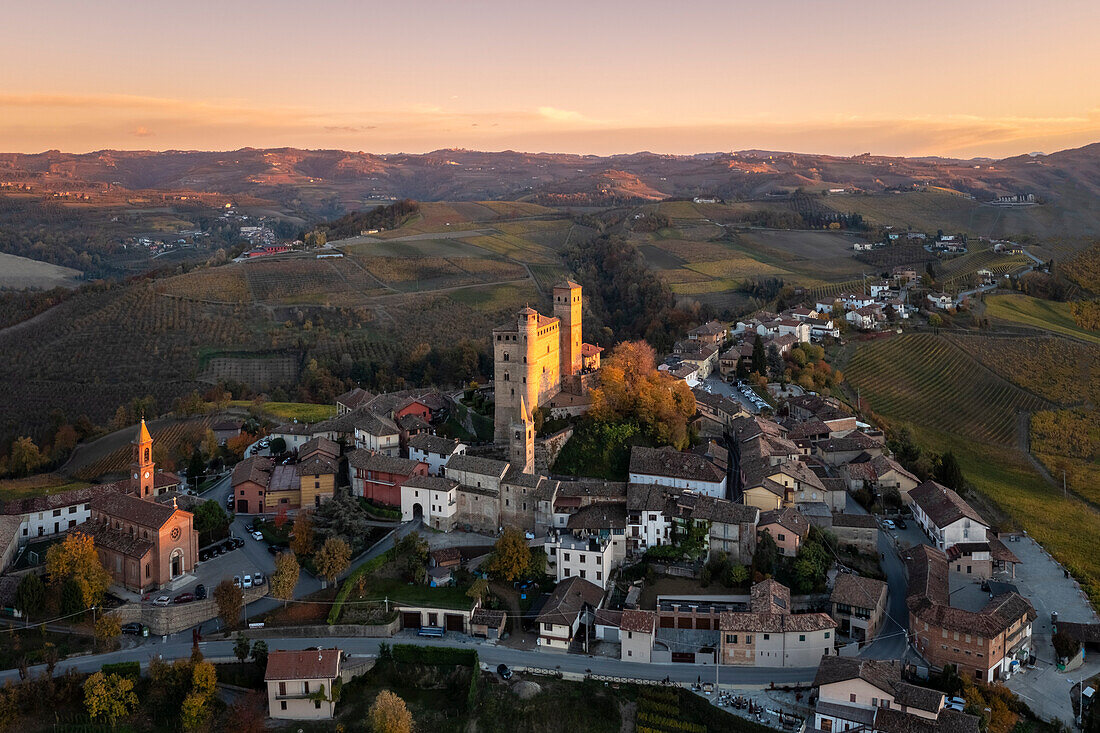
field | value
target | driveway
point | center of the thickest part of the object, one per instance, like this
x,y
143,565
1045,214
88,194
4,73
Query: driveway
x,y
716,385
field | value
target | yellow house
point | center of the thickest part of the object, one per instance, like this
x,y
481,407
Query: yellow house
x,y
317,480
766,496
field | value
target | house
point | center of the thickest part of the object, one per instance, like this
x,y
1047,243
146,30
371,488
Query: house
x,y
225,430
581,555
856,530
676,469
700,355
379,477
904,273
431,499
316,479
488,623
858,605
866,317
880,471
945,516
879,289
319,446
787,527
943,301
43,516
769,635
846,448
731,527
825,327
711,332
434,451
637,629
377,433
250,479
983,644
299,683
283,490
718,408
352,400
870,695
294,434
570,606
9,547
648,523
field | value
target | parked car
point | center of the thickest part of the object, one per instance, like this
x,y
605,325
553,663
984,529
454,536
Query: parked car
x,y
901,523
162,601
273,549
247,581
237,541
257,534
228,546
504,672
887,524
200,592
258,579
204,556
237,580
133,628
184,598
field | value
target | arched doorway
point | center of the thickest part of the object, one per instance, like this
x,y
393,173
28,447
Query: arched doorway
x,y
418,511
177,563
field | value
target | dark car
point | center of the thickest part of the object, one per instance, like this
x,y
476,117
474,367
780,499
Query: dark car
x,y
204,556
901,523
200,592
184,598
228,546
273,549
237,541
133,628
504,672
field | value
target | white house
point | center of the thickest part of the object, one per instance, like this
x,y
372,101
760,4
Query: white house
x,y
676,469
378,434
434,450
819,329
299,683
879,289
825,305
946,517
430,498
588,558
294,434
943,301
648,517
853,301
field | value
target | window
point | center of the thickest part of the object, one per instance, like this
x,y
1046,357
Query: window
x,y
781,537
852,697
282,704
731,638
748,638
317,704
582,557
282,688
826,634
548,627
599,575
767,637
57,512
72,510
802,637
567,557
582,574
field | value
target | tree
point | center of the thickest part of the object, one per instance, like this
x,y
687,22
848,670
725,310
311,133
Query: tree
x,y
277,446
248,713
478,589
259,653
388,714
25,457
302,541
285,577
108,697
511,558
776,365
736,575
766,557
241,647
196,467
194,711
333,558
759,358
107,629
76,559
230,602
30,595
948,472
210,516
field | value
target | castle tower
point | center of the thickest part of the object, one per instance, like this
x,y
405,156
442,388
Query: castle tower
x,y
142,468
521,444
567,308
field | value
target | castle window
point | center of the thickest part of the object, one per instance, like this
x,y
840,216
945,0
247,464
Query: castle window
x,y
505,356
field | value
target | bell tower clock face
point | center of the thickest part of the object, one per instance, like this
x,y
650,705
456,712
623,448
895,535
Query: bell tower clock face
x,y
146,474
135,475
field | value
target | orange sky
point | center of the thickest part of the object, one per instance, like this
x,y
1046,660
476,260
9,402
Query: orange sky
x,y
960,78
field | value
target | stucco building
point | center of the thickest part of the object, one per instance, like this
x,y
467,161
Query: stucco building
x,y
299,683
769,635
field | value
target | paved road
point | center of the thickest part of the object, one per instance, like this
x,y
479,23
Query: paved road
x,y
891,640
491,654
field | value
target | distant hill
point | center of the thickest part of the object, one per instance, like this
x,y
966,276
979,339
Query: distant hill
x,y
303,177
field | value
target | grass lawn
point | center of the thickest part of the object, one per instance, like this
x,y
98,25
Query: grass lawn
x,y
300,411
43,484
32,643
1045,314
398,591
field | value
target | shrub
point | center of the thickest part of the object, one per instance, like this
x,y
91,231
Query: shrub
x,y
122,669
434,655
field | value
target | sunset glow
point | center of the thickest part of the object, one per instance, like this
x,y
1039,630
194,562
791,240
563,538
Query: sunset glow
x,y
933,78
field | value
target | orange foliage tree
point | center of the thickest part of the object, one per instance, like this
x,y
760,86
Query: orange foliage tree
x,y
631,389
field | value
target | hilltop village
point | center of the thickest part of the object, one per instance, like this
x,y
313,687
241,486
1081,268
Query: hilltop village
x,y
785,544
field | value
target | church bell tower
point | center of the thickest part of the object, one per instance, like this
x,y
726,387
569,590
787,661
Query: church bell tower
x,y
141,469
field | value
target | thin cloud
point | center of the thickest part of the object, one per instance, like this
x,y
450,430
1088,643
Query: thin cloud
x,y
142,131
561,115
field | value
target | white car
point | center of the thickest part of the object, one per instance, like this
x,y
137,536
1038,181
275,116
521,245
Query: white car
x,y
888,523
248,581
257,534
258,579
162,601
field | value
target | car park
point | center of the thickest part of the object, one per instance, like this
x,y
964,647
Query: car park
x,y
200,592
133,628
184,598
901,523
162,601
228,546
237,541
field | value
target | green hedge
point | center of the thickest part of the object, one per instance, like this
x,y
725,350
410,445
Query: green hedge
x,y
342,595
122,669
378,510
443,656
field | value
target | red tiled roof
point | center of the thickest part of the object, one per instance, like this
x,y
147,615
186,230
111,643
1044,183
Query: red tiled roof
x,y
311,664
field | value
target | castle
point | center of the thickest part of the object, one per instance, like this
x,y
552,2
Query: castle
x,y
534,361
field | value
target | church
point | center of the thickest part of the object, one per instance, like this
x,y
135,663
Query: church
x,y
535,361
144,544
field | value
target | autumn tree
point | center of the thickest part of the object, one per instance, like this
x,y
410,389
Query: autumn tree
x,y
302,541
388,714
511,558
107,629
478,589
285,577
25,457
76,560
230,602
108,697
248,713
333,558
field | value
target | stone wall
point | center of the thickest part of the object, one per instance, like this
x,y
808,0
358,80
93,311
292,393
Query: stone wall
x,y
548,448
172,619
325,631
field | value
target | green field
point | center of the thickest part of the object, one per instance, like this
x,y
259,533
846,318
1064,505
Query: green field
x,y
1044,314
300,411
41,485
928,380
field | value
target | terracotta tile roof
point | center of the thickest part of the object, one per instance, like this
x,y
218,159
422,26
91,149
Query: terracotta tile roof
x,y
884,675
373,424
640,621
787,518
447,556
311,664
646,498
715,510
608,617
284,478
590,349
671,463
32,504
1000,553
770,596
256,469
567,600
410,423
857,591
942,505
478,464
320,444
132,509
124,543
774,623
437,444
368,460
430,483
855,521
601,515
293,428
354,398
853,441
492,618
317,465
594,488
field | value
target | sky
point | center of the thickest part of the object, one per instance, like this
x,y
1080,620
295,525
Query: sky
x,y
956,78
